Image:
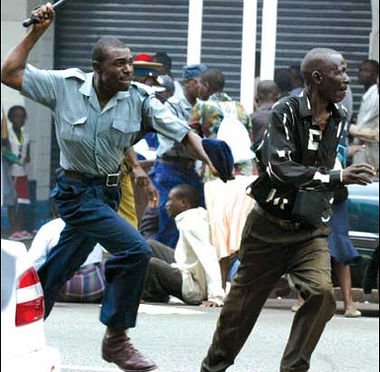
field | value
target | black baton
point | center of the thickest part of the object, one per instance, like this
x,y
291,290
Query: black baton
x,y
33,20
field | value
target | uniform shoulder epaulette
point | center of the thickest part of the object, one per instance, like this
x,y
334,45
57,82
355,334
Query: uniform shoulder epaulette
x,y
74,73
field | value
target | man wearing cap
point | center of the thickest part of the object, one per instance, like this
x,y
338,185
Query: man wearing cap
x,y
190,78
174,165
146,69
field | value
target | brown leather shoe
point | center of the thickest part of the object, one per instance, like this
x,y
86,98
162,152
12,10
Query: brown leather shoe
x,y
117,348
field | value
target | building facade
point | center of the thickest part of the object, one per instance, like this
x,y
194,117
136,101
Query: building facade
x,y
350,26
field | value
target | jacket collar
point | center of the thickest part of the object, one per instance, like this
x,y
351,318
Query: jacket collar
x,y
337,111
87,88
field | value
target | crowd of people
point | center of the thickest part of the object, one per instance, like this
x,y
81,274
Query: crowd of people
x,y
236,200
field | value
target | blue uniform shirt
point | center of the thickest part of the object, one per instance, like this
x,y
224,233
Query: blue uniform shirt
x,y
92,140
168,147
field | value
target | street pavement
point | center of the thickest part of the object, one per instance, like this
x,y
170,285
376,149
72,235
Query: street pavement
x,y
176,337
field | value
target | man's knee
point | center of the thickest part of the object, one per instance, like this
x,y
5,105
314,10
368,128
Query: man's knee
x,y
322,291
325,290
323,295
320,286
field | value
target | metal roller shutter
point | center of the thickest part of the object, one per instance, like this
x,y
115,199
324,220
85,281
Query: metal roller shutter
x,y
145,26
341,25
221,40
151,26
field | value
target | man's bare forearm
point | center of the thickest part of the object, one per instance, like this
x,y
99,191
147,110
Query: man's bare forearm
x,y
365,134
12,69
193,144
13,66
131,157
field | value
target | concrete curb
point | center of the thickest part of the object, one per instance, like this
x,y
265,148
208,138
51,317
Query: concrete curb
x,y
367,308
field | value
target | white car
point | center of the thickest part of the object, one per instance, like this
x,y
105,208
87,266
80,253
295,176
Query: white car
x,y
23,343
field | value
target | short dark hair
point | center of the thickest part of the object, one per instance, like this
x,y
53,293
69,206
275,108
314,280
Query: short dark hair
x,y
215,78
189,193
100,47
13,109
267,89
162,57
373,63
295,72
283,79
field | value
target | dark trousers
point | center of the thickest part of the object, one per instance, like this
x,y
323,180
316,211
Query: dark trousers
x,y
161,279
149,223
266,253
90,215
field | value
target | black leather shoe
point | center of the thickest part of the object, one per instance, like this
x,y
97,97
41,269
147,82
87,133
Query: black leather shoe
x,y
119,350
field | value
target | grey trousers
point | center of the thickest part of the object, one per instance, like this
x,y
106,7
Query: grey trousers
x,y
161,279
266,253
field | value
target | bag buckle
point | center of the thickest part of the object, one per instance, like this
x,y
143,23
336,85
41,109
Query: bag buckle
x,y
113,179
289,225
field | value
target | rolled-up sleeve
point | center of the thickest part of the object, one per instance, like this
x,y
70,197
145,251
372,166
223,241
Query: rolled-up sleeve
x,y
160,119
40,85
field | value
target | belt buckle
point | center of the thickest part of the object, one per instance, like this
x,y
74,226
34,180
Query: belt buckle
x,y
112,179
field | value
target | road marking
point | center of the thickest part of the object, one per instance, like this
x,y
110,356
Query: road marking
x,y
89,368
92,369
159,310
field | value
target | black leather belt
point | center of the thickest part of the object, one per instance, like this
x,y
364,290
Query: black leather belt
x,y
110,180
284,224
178,162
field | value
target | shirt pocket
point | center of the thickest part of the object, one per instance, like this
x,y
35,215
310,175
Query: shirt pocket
x,y
123,133
74,127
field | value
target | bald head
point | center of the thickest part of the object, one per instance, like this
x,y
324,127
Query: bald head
x,y
317,59
325,74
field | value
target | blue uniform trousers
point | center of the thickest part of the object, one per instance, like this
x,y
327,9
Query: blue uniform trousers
x,y
164,177
89,211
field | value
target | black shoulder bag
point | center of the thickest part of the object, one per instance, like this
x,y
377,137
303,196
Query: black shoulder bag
x,y
312,207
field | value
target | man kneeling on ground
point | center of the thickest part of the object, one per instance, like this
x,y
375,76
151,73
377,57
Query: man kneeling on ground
x,y
191,272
